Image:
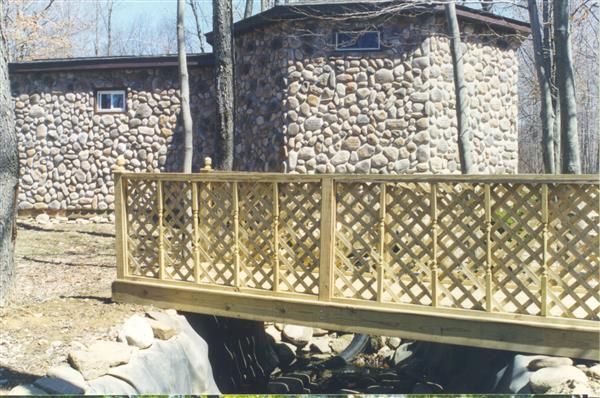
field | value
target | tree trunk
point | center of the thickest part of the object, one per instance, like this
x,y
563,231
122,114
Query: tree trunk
x,y
223,53
460,88
547,110
571,163
264,4
9,173
184,85
248,10
109,8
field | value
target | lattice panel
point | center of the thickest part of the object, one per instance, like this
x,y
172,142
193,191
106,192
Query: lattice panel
x,y
299,237
178,230
573,249
216,233
517,247
408,244
356,238
256,235
461,245
142,228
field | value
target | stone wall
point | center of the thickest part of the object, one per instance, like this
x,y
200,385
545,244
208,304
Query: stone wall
x,y
392,111
66,149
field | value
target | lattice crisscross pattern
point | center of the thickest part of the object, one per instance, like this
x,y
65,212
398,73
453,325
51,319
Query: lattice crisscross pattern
x,y
256,235
356,256
462,245
299,237
573,248
407,276
517,247
142,228
178,226
216,235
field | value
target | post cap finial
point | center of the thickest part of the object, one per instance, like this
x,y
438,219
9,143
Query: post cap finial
x,y
207,165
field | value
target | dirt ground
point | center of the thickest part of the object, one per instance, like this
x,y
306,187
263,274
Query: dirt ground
x,y
62,300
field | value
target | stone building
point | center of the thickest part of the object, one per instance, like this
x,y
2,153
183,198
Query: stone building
x,y
323,88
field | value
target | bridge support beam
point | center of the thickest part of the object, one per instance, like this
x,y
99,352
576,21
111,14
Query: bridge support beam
x,y
519,333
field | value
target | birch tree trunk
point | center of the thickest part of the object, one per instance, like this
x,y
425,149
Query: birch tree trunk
x,y
223,53
264,4
9,172
547,110
248,10
184,86
571,163
460,88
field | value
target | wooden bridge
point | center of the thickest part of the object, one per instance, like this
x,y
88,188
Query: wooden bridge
x,y
507,262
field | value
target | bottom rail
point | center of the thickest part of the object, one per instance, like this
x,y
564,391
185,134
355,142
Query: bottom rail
x,y
521,333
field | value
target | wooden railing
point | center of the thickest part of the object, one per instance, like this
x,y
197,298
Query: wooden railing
x,y
518,245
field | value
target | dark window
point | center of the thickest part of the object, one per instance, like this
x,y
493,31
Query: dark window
x,y
348,41
111,101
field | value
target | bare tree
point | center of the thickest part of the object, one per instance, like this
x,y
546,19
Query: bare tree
x,y
571,163
196,11
184,86
223,52
547,109
248,9
9,172
462,105
264,4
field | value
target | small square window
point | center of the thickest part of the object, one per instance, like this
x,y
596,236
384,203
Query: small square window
x,y
352,41
110,101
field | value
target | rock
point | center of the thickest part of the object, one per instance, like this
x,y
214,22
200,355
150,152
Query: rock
x,y
68,375
384,76
137,332
89,365
162,330
320,345
594,371
27,389
272,331
394,342
379,160
340,343
313,123
549,362
286,354
544,379
364,166
143,111
61,386
37,111
42,218
340,157
306,153
297,335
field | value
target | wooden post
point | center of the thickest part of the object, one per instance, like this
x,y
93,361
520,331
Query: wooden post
x,y
434,244
207,165
196,220
275,236
544,279
236,234
328,210
381,265
488,248
121,218
161,230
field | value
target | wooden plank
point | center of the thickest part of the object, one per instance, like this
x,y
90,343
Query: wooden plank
x,y
544,277
219,176
487,333
488,249
326,263
236,234
196,244
121,224
161,230
434,247
382,264
276,236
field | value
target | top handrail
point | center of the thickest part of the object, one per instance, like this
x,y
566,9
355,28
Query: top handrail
x,y
226,176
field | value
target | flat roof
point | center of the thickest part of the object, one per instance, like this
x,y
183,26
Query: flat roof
x,y
107,63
